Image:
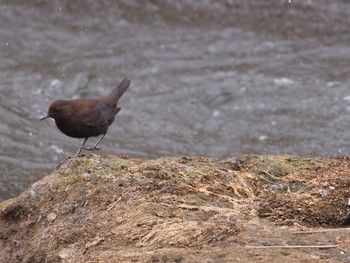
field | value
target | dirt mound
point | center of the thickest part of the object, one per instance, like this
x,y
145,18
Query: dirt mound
x,y
320,197
99,208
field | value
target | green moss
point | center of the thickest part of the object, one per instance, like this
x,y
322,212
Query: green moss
x,y
280,165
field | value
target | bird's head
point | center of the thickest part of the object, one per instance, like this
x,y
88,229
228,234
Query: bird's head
x,y
56,110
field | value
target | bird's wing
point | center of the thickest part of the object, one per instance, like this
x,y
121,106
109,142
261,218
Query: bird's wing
x,y
101,115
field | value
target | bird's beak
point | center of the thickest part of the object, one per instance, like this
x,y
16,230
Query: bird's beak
x,y
44,118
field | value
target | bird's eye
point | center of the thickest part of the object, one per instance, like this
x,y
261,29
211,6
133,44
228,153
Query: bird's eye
x,y
57,110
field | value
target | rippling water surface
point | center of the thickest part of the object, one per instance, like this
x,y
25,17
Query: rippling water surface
x,y
214,78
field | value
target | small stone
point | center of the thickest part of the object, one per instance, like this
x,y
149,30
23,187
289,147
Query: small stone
x,y
66,253
51,217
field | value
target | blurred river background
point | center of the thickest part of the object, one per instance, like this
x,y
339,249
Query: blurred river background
x,y
214,78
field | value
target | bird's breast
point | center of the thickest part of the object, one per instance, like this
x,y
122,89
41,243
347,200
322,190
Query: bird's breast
x,y
80,129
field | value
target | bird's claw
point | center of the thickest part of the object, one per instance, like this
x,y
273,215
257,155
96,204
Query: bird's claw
x,y
91,148
84,148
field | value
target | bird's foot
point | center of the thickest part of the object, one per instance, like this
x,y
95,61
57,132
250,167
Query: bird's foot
x,y
91,148
75,155
78,153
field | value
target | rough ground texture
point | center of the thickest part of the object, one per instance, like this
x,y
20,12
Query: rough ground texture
x,y
97,208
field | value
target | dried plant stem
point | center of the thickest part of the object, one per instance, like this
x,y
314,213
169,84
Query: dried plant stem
x,y
311,246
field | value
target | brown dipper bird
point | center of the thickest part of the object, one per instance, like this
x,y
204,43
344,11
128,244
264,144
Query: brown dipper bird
x,y
85,118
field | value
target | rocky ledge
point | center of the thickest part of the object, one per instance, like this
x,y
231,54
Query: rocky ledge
x,y
99,208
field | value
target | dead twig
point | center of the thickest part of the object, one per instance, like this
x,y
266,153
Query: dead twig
x,y
320,231
111,206
310,246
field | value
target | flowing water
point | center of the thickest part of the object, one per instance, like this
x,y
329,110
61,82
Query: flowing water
x,y
214,78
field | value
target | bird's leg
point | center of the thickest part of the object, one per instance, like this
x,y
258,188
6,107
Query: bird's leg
x,y
95,145
98,141
81,147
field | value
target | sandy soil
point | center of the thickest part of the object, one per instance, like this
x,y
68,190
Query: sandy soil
x,y
98,208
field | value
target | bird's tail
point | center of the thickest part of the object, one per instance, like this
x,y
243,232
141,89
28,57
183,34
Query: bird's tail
x,y
122,87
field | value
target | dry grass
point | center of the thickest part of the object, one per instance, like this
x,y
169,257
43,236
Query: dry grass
x,y
191,209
